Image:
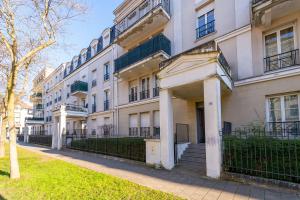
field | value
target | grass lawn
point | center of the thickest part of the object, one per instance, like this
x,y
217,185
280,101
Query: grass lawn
x,y
48,178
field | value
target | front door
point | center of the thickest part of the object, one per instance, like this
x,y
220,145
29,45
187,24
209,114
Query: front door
x,y
200,125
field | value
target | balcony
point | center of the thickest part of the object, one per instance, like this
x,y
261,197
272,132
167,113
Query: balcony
x,y
133,131
144,94
106,77
146,19
133,97
34,120
282,61
144,58
266,11
36,97
205,29
79,89
39,107
72,111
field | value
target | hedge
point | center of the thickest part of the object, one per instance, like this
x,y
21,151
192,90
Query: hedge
x,y
263,156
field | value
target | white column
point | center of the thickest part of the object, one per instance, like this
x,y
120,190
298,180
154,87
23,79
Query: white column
x,y
55,133
212,107
166,129
62,127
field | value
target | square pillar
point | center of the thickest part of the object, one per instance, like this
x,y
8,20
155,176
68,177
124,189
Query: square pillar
x,y
62,127
166,129
212,107
55,132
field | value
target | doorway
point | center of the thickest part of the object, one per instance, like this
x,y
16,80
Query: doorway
x,y
200,123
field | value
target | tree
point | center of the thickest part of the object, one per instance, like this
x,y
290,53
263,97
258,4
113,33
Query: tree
x,y
26,29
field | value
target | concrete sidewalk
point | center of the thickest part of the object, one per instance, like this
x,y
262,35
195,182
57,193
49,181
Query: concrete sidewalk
x,y
180,184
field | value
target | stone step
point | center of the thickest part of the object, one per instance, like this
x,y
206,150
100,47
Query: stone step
x,y
192,163
188,156
194,155
193,159
196,147
194,151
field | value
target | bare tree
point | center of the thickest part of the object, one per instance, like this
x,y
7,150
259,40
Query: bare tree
x,y
26,29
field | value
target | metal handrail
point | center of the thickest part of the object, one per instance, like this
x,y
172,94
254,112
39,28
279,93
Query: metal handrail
x,y
283,60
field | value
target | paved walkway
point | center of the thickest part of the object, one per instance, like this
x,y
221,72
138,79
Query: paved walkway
x,y
180,184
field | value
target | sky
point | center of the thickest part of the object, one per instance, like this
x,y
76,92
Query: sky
x,y
82,30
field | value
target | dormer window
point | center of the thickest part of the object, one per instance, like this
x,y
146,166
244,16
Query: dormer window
x,y
83,58
75,62
94,49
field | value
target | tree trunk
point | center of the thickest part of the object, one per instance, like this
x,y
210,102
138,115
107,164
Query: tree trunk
x,y
2,136
14,164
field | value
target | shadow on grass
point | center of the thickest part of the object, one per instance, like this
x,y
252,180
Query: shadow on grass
x,y
3,173
2,198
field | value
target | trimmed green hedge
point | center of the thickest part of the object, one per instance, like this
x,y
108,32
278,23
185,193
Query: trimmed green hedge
x,y
263,156
130,148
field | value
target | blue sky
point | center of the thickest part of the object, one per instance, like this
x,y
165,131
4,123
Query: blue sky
x,y
83,29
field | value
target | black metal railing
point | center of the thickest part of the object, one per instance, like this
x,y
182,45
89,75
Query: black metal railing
x,y
106,105
133,97
39,107
223,62
145,132
150,47
34,119
124,147
106,76
38,132
258,1
156,132
145,94
133,132
267,152
76,108
281,61
156,92
205,29
45,140
79,86
139,13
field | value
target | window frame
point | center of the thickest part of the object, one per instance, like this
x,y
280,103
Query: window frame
x,y
277,31
282,106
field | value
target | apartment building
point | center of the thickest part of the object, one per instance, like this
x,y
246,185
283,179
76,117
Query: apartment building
x,y
36,123
204,64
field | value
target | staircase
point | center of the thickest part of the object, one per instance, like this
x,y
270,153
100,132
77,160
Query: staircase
x,y
193,160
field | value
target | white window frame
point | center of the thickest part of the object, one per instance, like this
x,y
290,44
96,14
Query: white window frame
x,y
277,31
282,106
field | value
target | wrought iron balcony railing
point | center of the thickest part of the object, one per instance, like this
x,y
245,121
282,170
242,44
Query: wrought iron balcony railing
x,y
145,94
34,119
140,12
284,129
76,108
150,47
133,97
133,131
106,77
145,132
156,92
156,132
79,86
205,29
281,61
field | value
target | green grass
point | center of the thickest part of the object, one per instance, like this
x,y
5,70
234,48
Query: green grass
x,y
48,178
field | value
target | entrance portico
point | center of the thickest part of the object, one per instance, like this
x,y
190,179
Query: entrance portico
x,y
198,75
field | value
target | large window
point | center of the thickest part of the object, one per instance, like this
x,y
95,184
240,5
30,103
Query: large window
x,y
206,24
280,51
145,85
283,114
106,71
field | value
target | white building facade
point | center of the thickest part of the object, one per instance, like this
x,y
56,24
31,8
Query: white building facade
x,y
204,64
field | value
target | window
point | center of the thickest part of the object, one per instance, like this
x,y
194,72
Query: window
x,y
94,49
206,24
145,85
133,93
83,57
106,100
94,103
283,114
280,49
106,71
